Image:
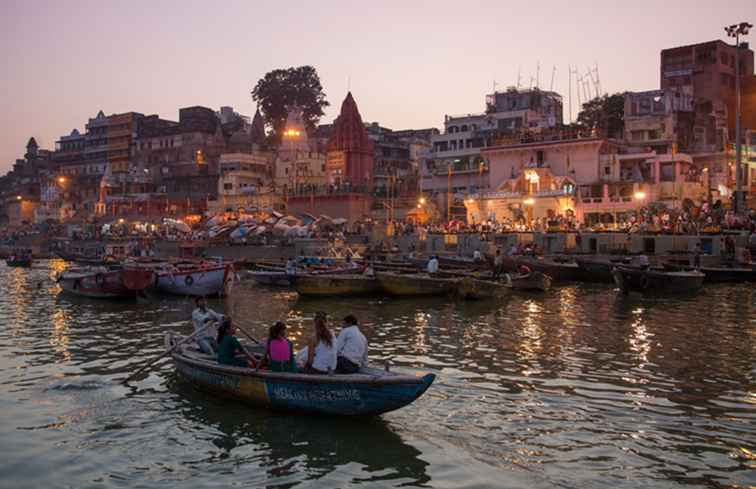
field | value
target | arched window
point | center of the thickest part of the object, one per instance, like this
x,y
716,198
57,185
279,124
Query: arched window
x,y
463,128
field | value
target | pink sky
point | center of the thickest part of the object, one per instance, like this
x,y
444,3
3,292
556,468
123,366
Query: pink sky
x,y
409,62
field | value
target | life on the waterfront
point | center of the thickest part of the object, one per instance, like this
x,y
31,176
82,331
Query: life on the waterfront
x,y
279,261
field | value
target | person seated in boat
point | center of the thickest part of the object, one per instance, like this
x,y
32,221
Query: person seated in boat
x,y
279,352
291,267
229,346
643,262
432,267
351,347
201,316
498,264
321,350
524,270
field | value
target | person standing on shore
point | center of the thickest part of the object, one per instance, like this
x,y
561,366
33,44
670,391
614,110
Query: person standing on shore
x,y
200,317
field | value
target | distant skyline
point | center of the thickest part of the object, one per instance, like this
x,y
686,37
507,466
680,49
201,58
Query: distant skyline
x,y
407,63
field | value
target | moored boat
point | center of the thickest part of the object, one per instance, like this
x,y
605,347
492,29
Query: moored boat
x,y
19,261
195,279
414,284
656,280
531,281
470,288
269,277
94,282
335,285
720,274
369,392
597,269
559,270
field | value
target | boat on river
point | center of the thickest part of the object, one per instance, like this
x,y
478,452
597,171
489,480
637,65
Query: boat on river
x,y
369,392
657,280
19,261
195,279
94,282
269,277
530,281
335,285
415,284
470,288
720,274
599,269
559,270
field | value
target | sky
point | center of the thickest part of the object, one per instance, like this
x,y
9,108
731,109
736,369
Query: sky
x,y
407,63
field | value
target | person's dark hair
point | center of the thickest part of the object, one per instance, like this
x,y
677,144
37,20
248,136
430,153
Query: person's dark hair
x,y
223,328
276,330
198,299
322,333
350,320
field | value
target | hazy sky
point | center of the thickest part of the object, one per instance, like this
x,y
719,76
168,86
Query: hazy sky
x,y
409,62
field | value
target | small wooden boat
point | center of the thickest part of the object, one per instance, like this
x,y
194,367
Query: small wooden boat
x,y
462,262
19,261
269,277
597,269
335,285
656,280
531,281
415,284
719,274
470,288
94,282
369,392
559,270
195,279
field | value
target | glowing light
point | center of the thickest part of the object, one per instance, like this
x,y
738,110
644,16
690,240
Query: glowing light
x,y
120,221
61,179
422,200
18,197
640,195
529,201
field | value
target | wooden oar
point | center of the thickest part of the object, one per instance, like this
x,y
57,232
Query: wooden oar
x,y
167,352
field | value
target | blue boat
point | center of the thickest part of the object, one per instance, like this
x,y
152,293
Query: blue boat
x,y
369,392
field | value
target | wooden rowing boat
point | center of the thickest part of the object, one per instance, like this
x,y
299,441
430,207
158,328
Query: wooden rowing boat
x,y
558,270
655,280
470,288
370,392
414,284
335,285
95,282
531,281
24,262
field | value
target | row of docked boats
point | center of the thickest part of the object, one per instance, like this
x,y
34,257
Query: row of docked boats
x,y
136,277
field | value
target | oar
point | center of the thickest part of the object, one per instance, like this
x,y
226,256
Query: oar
x,y
167,352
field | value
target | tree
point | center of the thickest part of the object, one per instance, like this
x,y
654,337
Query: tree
x,y
281,89
606,113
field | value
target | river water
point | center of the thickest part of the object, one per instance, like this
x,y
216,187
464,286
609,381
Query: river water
x,y
580,387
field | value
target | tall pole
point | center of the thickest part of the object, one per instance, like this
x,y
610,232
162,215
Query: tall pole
x,y
569,83
448,195
739,200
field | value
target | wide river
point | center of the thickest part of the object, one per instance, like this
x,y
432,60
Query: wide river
x,y
580,388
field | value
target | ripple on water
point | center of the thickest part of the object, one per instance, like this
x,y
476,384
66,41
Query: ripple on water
x,y
579,387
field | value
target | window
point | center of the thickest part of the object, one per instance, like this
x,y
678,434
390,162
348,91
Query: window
x,y
228,186
539,157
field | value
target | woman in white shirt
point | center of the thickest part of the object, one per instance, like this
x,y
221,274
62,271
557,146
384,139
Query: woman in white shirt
x,y
321,351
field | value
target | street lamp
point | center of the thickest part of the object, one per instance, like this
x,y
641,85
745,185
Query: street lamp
x,y
61,180
18,197
640,195
736,30
529,201
421,201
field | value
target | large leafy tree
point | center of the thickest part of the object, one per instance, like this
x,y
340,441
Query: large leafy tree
x,y
605,113
280,89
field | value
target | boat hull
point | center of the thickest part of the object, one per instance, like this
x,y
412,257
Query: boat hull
x,y
280,279
470,288
558,271
95,284
414,285
653,281
195,282
533,281
19,263
341,285
334,395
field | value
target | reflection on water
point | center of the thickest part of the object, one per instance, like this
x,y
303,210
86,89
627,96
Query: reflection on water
x,y
579,387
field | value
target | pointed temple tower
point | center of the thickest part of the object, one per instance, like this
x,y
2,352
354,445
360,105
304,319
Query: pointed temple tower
x,y
257,132
350,151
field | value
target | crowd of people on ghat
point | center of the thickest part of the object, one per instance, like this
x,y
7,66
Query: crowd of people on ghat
x,y
325,352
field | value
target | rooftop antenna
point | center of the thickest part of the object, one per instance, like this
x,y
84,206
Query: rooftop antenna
x,y
532,79
519,69
538,74
553,72
569,89
597,81
589,74
579,81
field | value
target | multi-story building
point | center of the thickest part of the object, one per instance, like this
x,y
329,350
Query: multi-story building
x,y
20,188
298,166
590,177
662,120
455,166
245,183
